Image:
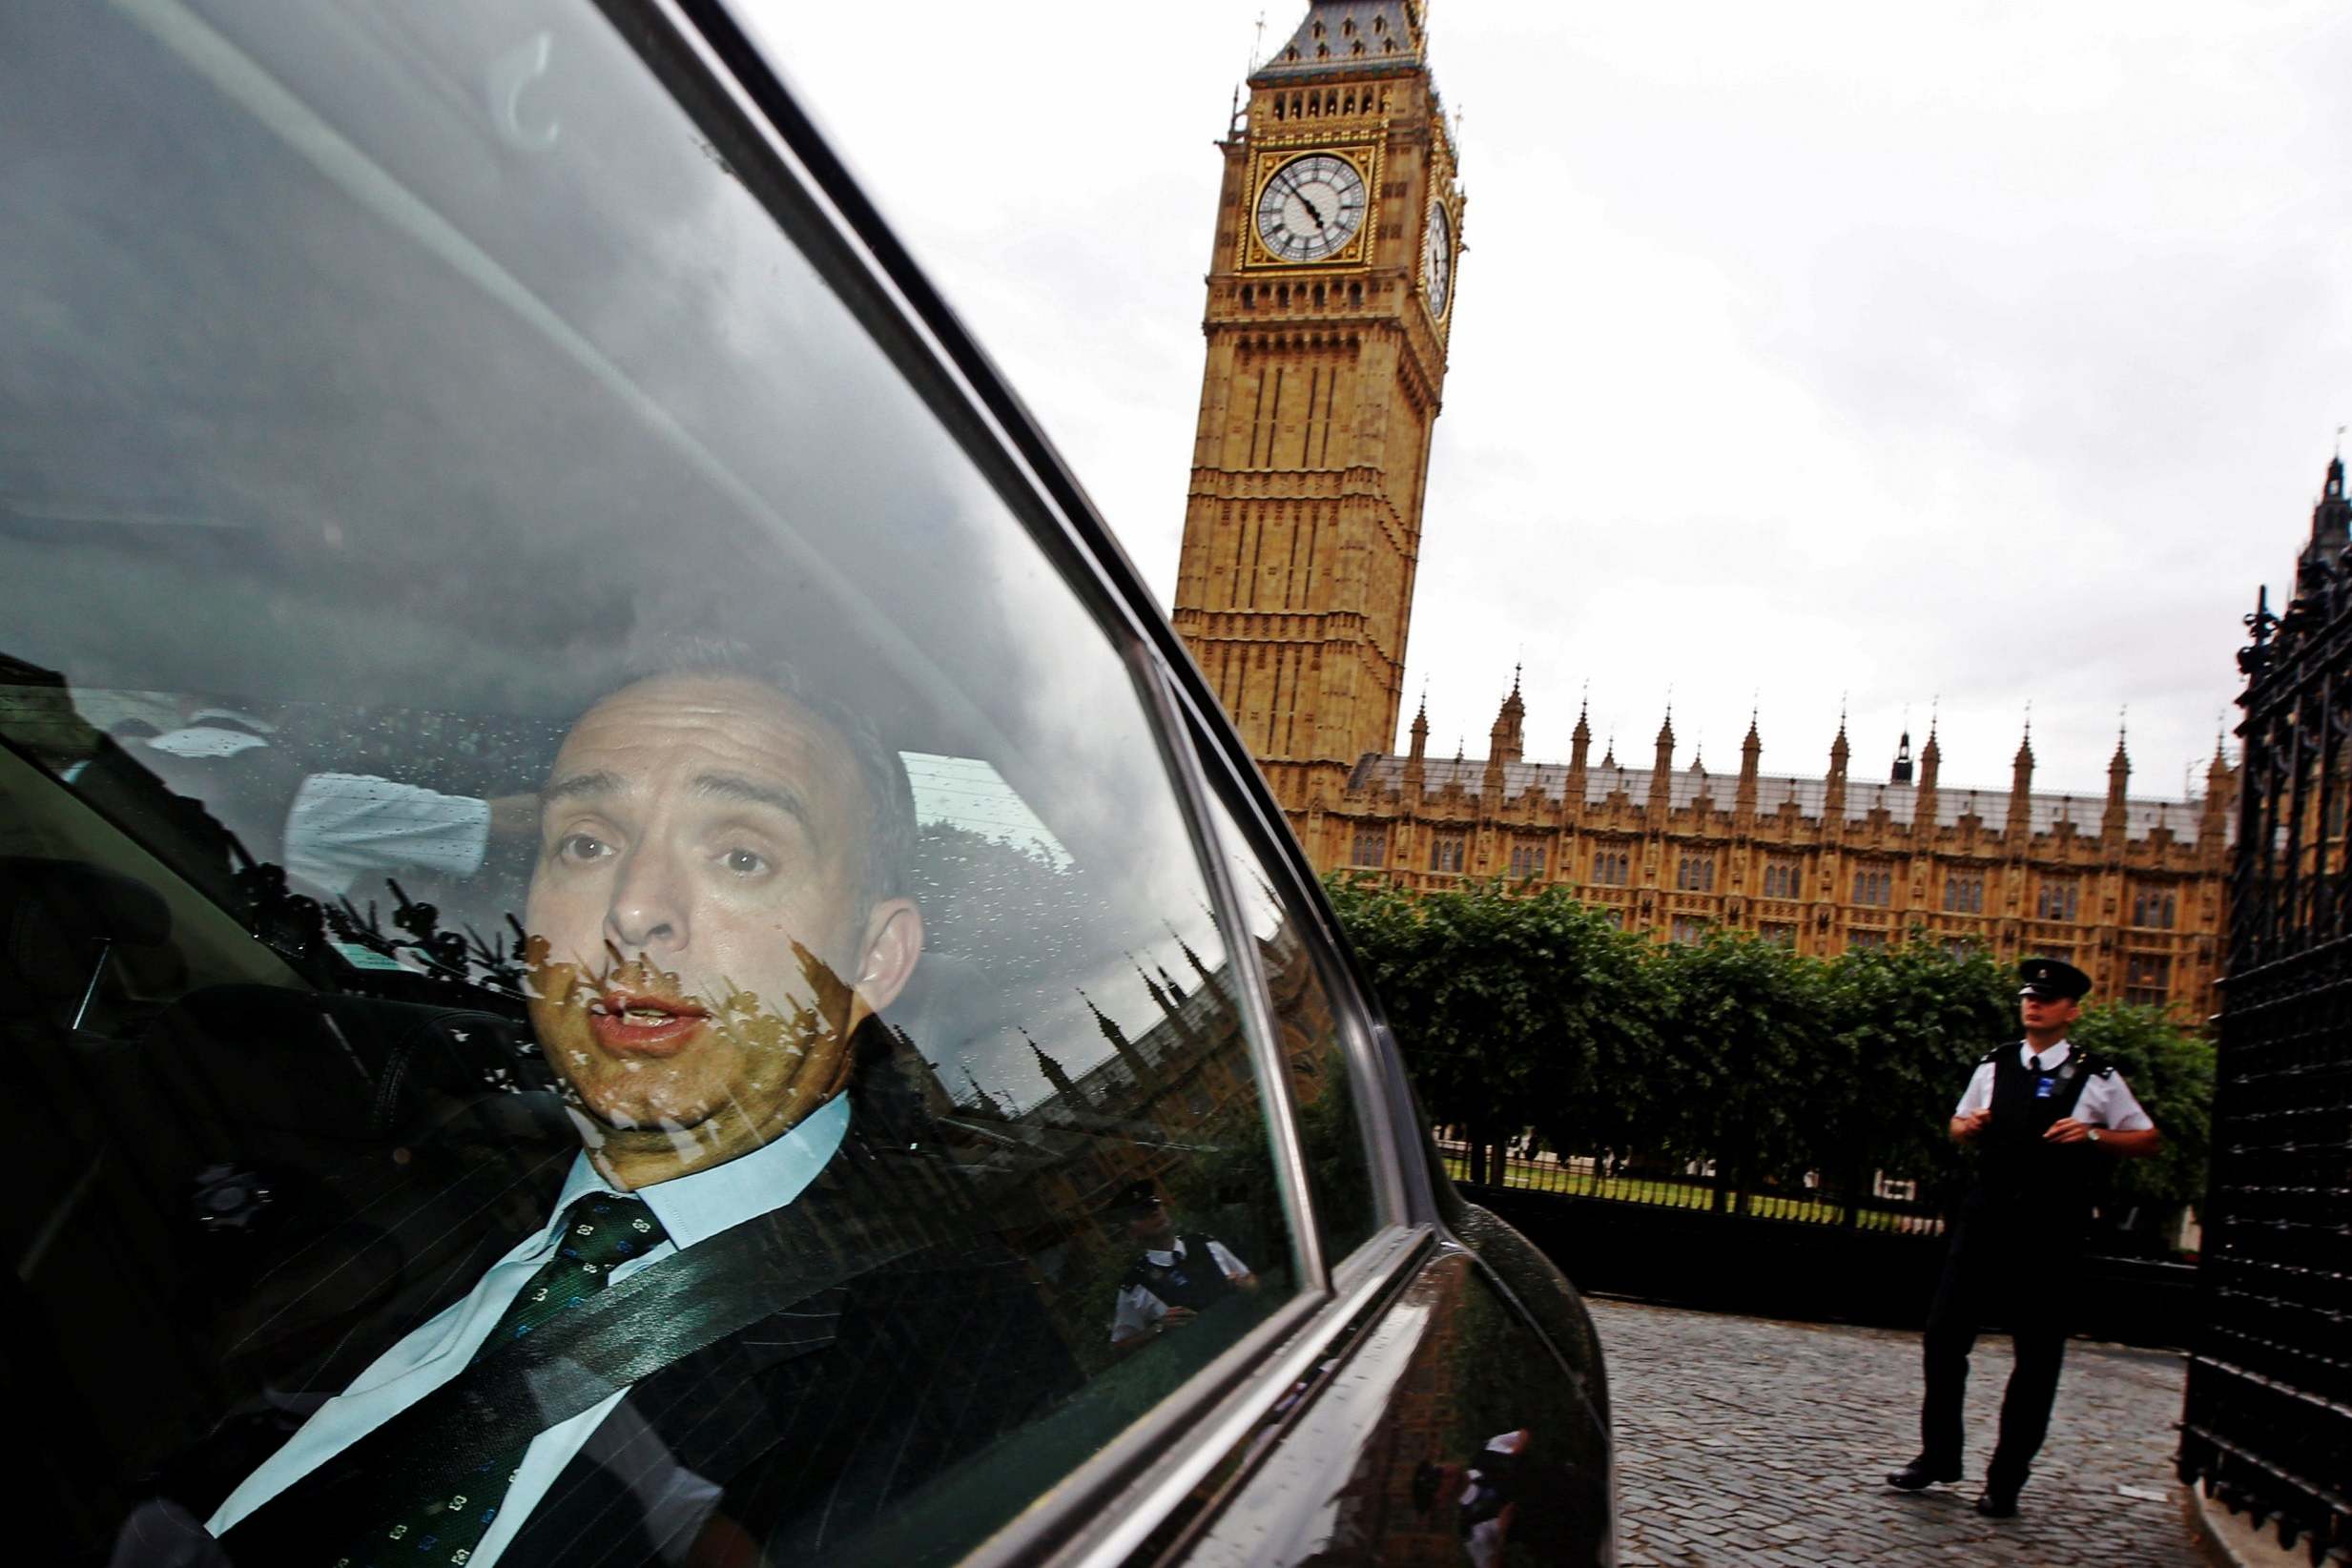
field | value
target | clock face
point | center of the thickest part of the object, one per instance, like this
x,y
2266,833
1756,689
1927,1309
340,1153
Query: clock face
x,y
1437,259
1311,208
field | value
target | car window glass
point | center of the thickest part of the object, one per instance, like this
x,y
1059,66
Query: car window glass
x,y
511,702
1314,1057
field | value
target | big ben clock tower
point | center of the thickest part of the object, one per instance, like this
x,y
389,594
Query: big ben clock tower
x,y
1331,292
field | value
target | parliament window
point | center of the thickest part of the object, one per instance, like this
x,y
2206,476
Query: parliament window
x,y
1867,936
2154,908
2056,899
1526,861
1370,847
1779,932
1689,930
1612,868
1695,874
1874,885
1783,879
2147,979
1964,895
1445,852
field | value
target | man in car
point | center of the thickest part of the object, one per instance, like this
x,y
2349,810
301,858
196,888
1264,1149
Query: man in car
x,y
752,1314
2045,1116
1175,1278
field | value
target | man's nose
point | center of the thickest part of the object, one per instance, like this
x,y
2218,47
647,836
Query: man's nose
x,y
648,908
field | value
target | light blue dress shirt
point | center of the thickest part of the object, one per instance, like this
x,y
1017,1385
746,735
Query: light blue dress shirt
x,y
692,1209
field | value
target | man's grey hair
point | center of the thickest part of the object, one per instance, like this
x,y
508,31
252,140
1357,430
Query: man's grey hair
x,y
889,798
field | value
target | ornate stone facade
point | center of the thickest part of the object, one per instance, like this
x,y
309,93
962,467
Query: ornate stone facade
x,y
2128,888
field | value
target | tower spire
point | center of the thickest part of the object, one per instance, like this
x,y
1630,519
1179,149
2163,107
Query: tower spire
x,y
2112,822
1661,783
1833,789
1055,1073
2020,826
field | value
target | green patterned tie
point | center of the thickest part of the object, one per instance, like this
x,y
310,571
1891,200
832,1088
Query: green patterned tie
x,y
601,1232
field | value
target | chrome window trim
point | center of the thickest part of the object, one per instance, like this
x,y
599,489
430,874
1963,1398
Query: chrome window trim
x,y
1249,980
1124,1522
1386,1099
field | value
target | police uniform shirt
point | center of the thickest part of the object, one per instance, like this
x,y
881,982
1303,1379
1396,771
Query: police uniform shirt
x,y
2107,1100
1139,1309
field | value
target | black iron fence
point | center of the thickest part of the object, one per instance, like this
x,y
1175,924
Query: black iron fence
x,y
2267,1424
1577,1176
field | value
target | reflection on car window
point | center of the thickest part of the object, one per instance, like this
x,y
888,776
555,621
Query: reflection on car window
x,y
597,945
1323,1092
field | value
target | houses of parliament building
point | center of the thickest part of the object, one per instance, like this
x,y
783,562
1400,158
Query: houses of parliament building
x,y
1332,283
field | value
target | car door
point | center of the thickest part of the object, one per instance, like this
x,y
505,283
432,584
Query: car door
x,y
542,662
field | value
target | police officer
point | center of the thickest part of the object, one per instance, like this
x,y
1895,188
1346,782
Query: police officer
x,y
2045,1116
1176,1278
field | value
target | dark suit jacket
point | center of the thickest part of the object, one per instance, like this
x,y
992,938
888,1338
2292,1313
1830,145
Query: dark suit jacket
x,y
786,1437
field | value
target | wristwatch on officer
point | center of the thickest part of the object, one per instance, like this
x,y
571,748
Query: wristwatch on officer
x,y
2094,1133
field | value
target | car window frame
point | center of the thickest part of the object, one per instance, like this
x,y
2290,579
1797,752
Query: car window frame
x,y
728,87
735,93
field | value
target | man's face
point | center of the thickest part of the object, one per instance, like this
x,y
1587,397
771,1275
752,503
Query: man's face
x,y
2043,1013
1151,1226
701,946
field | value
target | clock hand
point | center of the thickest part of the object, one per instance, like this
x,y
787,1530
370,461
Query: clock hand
x,y
1311,210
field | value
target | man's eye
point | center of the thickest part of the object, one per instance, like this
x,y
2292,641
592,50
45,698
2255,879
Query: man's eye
x,y
580,846
745,862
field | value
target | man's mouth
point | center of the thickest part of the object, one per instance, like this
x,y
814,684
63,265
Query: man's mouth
x,y
638,1025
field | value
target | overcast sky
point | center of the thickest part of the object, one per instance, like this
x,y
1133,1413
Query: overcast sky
x,y
1802,354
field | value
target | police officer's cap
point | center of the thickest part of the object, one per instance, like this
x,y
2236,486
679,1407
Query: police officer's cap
x,y
1133,1200
2053,979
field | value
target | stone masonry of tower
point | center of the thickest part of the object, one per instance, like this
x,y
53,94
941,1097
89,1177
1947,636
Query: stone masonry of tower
x,y
1326,332
2128,888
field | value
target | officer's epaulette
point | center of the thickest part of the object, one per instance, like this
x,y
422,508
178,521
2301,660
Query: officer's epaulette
x,y
2097,1066
1994,1055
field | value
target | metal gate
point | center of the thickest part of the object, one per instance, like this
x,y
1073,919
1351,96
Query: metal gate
x,y
2268,1421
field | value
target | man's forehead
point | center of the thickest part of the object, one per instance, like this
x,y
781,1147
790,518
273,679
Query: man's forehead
x,y
727,735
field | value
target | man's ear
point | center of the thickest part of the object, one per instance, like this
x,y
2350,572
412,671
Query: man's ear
x,y
894,941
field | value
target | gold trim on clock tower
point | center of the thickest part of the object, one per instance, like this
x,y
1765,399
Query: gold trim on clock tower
x,y
1325,360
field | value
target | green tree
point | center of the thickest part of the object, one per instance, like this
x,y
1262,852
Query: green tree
x,y
1745,1051
1910,1023
1513,1011
2171,1071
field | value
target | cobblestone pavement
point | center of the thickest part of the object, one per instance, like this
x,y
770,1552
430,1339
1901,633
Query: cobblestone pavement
x,y
1745,1441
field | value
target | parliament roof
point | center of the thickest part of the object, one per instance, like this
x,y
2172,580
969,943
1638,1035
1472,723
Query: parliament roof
x,y
1348,37
1380,773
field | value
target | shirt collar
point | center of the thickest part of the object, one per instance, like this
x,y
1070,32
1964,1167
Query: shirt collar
x,y
1165,1258
696,1207
2051,1058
